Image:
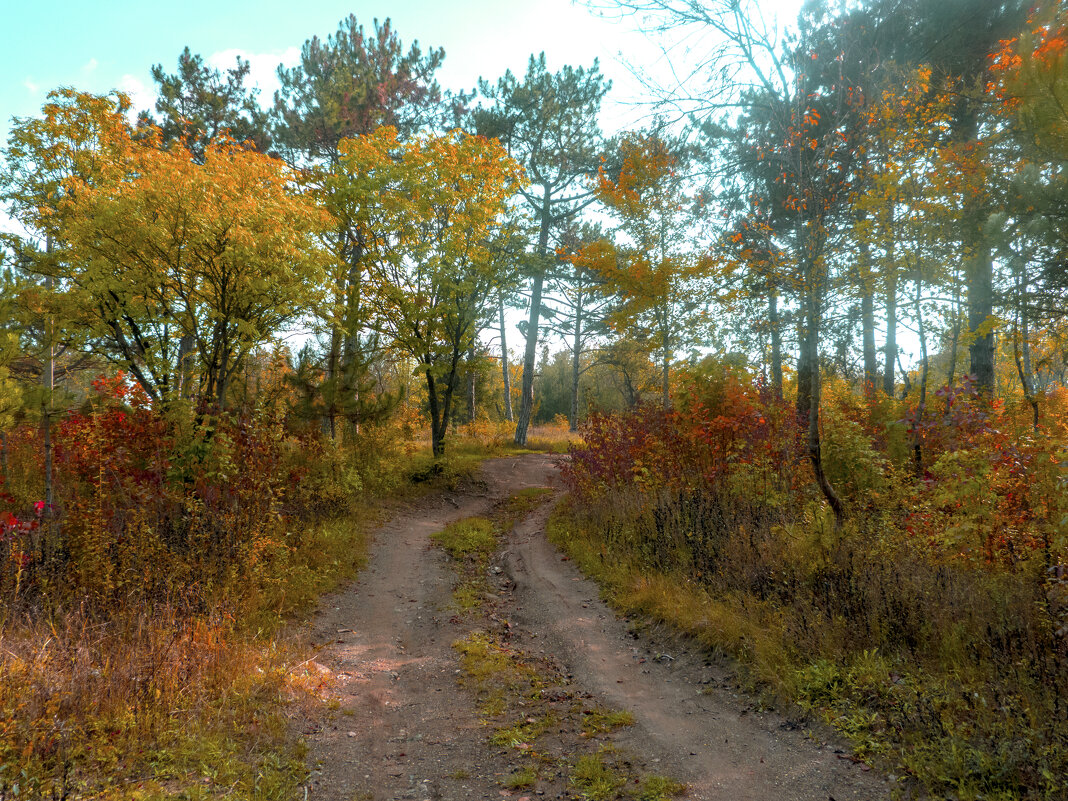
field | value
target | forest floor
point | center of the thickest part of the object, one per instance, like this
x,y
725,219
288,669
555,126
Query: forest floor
x,y
606,707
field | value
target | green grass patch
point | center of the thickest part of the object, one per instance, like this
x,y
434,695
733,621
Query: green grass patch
x,y
523,778
595,780
474,538
659,788
600,720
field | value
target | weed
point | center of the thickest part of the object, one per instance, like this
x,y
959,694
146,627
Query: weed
x,y
523,778
595,780
600,720
474,538
659,788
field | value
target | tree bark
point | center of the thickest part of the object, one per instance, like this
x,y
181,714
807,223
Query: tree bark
x,y
980,307
665,386
954,345
776,341
811,346
576,364
867,324
803,401
504,363
472,385
1021,348
526,401
924,371
889,368
437,423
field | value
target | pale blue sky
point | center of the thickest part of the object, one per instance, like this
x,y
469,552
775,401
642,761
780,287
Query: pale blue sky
x,y
99,45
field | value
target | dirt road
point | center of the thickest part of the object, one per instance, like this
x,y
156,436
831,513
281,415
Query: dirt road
x,y
405,728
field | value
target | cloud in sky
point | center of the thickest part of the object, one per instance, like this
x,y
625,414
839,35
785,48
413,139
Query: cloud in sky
x,y
31,86
89,66
263,67
142,97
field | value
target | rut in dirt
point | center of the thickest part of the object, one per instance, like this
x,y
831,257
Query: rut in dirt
x,y
405,729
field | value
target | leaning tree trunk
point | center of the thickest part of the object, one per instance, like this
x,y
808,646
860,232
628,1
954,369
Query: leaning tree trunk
x,y
811,347
526,401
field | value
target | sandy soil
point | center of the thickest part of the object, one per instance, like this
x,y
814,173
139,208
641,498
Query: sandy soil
x,y
405,728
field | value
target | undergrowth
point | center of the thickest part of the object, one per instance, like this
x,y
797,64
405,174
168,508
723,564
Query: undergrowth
x,y
929,628
146,646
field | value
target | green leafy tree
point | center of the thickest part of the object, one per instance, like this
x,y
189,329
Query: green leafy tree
x,y
659,277
151,251
548,123
427,210
198,104
345,86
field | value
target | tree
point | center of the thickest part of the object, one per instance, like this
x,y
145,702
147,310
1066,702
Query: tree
x,y
659,277
548,123
580,313
427,210
154,251
198,105
348,86
955,39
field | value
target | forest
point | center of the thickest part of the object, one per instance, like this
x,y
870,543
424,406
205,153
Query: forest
x,y
803,337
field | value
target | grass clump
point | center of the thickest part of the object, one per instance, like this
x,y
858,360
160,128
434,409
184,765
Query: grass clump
x,y
600,720
594,780
655,787
474,538
523,778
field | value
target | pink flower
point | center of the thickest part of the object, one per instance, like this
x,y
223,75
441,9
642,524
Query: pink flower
x,y
39,507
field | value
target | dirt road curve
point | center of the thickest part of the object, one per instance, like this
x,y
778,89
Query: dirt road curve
x,y
405,729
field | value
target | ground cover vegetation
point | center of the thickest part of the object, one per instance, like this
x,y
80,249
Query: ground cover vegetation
x,y
880,535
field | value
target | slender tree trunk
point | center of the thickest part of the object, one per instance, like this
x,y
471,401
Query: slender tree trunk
x,y
4,478
665,386
49,380
867,318
504,363
526,401
576,365
980,307
776,341
1021,348
867,324
889,370
803,401
438,422
185,366
472,385
906,382
811,346
925,369
954,343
